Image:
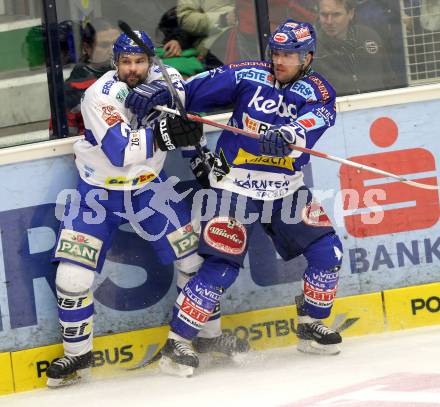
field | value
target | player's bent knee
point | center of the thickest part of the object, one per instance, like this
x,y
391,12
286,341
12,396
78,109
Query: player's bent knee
x,y
219,272
72,278
187,268
190,264
325,252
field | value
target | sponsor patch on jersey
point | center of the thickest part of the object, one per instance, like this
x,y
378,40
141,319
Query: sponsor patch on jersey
x,y
192,314
325,94
291,25
305,90
79,247
250,63
280,37
264,188
302,34
110,115
226,235
121,95
183,240
321,298
371,46
254,126
215,71
325,114
266,105
107,86
123,180
254,75
243,157
313,214
310,121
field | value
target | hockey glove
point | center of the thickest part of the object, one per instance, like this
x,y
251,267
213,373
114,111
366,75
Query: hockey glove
x,y
173,132
210,162
276,140
142,99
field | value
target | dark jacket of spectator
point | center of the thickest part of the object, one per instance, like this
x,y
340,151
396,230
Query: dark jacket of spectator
x,y
355,65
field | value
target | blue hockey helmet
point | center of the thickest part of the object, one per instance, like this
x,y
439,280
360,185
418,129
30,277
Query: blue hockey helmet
x,y
124,44
293,36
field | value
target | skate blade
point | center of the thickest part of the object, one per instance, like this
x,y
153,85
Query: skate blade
x,y
167,366
76,377
315,348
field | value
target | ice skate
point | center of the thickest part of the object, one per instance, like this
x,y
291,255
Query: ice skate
x,y
178,358
224,345
69,370
315,337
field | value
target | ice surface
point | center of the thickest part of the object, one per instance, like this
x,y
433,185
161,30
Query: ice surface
x,y
393,369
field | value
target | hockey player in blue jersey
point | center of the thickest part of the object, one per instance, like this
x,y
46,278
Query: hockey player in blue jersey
x,y
119,156
287,103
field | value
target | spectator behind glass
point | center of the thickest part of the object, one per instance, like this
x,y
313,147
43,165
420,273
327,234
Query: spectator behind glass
x,y
207,20
175,38
384,17
350,55
97,38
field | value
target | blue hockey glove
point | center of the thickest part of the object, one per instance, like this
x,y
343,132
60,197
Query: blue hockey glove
x,y
276,140
145,96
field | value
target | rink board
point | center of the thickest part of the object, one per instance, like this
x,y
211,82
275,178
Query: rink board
x,y
135,291
413,307
6,377
276,327
267,328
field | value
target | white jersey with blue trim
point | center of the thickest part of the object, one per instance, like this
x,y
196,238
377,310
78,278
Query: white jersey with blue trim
x,y
259,101
118,152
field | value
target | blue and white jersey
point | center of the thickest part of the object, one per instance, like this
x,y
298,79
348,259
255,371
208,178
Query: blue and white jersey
x,y
258,102
118,152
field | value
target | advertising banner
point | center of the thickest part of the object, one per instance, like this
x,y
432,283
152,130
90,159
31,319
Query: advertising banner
x,y
389,231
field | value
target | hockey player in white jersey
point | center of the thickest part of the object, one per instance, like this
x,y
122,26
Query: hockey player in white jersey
x,y
119,155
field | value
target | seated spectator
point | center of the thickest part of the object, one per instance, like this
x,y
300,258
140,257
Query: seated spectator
x,y
207,20
97,38
351,56
175,38
178,46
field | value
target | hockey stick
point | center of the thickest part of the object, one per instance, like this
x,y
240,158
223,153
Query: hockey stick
x,y
304,150
180,108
